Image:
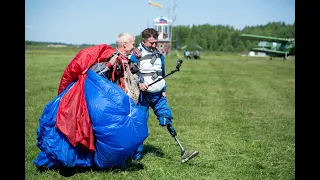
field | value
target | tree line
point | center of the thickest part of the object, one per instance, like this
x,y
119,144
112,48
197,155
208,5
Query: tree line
x,y
222,38
225,38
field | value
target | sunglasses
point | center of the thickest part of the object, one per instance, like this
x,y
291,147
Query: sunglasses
x,y
155,42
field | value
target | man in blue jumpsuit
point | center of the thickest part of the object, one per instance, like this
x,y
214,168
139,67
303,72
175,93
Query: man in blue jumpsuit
x,y
151,68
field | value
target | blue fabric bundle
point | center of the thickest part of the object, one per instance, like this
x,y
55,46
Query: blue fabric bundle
x,y
118,125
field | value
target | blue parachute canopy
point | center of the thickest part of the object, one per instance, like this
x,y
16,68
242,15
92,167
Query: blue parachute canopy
x,y
118,126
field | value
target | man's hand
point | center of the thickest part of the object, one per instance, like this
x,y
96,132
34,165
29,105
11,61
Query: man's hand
x,y
113,60
159,50
164,94
143,86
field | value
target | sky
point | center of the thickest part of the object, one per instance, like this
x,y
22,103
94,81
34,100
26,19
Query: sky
x,y
100,21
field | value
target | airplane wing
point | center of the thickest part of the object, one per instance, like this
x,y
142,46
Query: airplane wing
x,y
268,51
265,38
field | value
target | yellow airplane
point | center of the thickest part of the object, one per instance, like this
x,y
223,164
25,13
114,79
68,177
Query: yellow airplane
x,y
155,4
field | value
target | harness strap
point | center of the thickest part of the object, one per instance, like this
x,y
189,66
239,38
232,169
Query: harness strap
x,y
153,57
153,75
146,57
159,73
137,53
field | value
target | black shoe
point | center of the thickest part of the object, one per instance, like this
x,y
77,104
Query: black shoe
x,y
124,165
127,162
135,162
130,161
187,156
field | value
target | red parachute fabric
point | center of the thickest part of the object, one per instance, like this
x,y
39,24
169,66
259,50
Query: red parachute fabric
x,y
83,61
72,118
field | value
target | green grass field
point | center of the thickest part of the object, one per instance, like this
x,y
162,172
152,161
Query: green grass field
x,y
237,111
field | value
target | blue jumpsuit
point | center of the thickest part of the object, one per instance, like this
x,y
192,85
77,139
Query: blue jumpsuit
x,y
152,68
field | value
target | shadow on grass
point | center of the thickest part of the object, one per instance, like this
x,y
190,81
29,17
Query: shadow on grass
x,y
70,171
149,149
130,165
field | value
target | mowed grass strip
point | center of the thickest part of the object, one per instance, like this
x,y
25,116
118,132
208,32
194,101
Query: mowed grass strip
x,y
237,111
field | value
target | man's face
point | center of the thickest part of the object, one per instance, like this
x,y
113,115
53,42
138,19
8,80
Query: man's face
x,y
150,43
128,47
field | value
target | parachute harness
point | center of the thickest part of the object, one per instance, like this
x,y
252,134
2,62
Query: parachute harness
x,y
126,81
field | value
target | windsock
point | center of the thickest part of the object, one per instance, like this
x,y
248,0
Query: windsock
x,y
155,4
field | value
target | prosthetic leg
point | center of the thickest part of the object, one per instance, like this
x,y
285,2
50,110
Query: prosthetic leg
x,y
185,155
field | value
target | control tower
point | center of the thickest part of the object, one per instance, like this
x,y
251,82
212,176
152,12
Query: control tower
x,y
162,25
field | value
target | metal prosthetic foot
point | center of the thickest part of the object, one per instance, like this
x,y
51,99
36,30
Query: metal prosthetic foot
x,y
187,156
